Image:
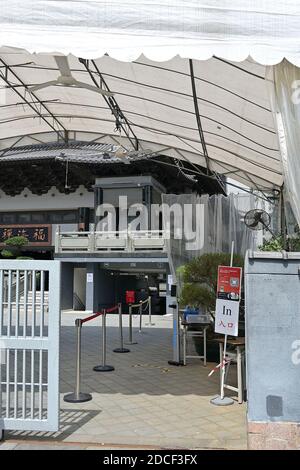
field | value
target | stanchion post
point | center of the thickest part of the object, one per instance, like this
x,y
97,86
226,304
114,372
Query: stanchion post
x,y
121,349
141,315
103,367
78,396
150,312
130,335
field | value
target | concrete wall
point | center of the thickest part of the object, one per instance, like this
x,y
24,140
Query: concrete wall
x,y
53,200
273,349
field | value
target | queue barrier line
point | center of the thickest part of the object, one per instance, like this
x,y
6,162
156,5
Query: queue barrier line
x,y
91,317
77,396
146,303
112,309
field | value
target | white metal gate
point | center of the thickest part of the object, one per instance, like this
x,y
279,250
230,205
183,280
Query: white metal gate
x,y
29,345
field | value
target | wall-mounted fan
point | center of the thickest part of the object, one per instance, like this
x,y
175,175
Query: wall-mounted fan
x,y
257,219
66,79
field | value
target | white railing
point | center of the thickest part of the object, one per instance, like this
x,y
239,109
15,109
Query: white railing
x,y
112,241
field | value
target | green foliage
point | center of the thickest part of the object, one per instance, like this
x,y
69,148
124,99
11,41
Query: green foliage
x,y
277,244
18,241
199,278
273,244
14,247
294,244
7,253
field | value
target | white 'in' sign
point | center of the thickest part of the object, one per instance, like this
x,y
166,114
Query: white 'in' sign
x,y
227,317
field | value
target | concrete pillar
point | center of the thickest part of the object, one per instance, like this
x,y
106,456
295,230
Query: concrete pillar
x,y
67,280
92,283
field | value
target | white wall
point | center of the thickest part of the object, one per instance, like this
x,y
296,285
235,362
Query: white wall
x,y
53,200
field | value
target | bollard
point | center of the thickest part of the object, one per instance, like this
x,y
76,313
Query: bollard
x,y
121,349
103,367
78,396
130,339
150,312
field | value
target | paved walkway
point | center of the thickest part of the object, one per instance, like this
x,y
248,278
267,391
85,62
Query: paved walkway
x,y
144,402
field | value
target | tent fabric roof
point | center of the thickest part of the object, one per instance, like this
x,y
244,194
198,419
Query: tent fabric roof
x,y
155,103
267,30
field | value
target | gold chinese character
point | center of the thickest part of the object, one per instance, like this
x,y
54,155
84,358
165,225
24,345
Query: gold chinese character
x,y
22,233
7,233
39,234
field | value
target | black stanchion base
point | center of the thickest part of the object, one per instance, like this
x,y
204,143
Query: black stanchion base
x,y
103,368
74,398
176,363
121,350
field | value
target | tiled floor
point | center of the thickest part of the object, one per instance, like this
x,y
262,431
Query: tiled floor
x,y
144,402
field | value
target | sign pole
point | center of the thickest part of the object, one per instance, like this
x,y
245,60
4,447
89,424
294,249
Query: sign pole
x,y
221,400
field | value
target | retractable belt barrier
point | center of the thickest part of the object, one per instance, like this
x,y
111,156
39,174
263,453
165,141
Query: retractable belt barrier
x,y
121,349
78,396
147,303
103,367
150,312
130,337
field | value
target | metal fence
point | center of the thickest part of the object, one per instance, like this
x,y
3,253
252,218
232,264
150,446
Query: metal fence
x,y
29,345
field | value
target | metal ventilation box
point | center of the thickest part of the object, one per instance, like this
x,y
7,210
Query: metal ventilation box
x,y
272,299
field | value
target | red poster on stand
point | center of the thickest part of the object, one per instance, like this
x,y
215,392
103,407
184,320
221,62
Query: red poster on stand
x,y
229,283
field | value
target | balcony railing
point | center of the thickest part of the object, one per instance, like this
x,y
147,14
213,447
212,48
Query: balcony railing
x,y
108,241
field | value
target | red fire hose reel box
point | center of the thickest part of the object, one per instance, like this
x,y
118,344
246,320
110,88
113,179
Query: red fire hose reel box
x,y
130,296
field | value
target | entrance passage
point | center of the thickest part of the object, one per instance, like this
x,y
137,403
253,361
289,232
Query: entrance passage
x,y
144,401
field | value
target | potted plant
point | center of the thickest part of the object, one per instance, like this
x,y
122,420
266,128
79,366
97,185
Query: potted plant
x,y
13,248
198,281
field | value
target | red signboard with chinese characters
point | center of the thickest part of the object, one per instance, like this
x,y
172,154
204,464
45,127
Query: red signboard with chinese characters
x,y
229,283
130,296
37,235
228,300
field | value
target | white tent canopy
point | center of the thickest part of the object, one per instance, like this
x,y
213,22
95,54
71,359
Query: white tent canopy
x,y
267,30
156,99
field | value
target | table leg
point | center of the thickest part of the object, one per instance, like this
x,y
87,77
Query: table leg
x,y
239,375
184,345
204,345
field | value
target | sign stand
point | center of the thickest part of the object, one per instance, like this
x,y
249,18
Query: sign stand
x,y
221,400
